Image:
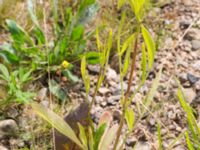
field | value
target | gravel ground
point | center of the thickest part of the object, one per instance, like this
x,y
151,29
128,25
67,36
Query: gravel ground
x,y
179,55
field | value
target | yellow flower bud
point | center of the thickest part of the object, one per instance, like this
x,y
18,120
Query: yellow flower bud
x,y
65,64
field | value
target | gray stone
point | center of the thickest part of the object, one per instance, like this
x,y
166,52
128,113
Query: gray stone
x,y
197,86
195,44
103,104
8,128
113,99
116,115
196,65
42,94
103,90
111,74
99,99
142,146
94,68
182,77
189,94
193,34
131,141
3,148
192,78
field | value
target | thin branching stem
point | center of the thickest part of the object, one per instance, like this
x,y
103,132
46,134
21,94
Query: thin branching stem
x,y
134,54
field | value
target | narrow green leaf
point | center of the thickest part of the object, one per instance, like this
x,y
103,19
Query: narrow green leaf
x,y
189,143
126,62
192,123
127,43
121,3
93,57
144,63
77,33
150,46
91,139
83,67
129,116
99,44
159,137
152,91
85,76
5,73
82,135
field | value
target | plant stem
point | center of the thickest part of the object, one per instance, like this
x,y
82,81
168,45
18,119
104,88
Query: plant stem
x,y
134,54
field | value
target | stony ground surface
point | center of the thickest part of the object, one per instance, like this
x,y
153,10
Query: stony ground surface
x,y
179,55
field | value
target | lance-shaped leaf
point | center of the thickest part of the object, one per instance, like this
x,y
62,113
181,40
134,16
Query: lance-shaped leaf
x,y
144,62
150,46
130,118
85,76
57,122
5,74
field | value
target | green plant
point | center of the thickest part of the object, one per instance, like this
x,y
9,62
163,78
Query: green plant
x,y
15,83
68,42
192,136
128,47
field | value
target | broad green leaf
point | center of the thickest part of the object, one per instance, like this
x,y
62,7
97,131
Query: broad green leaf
x,y
129,116
39,35
77,33
150,46
98,134
93,57
127,43
82,135
70,76
108,138
57,122
18,34
24,76
9,57
121,3
144,63
4,72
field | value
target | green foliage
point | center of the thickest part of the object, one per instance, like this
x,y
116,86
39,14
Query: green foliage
x,y
57,122
15,83
159,136
130,118
192,122
149,44
69,42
